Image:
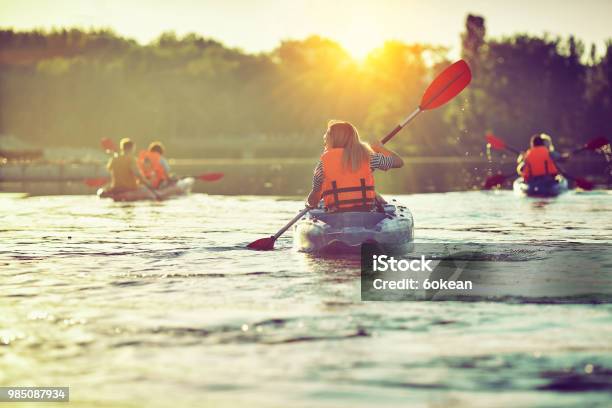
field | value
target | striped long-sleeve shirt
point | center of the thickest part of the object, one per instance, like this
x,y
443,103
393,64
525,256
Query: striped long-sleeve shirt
x,y
377,161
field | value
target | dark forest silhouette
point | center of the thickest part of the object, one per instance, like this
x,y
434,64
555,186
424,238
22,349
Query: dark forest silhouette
x,y
72,87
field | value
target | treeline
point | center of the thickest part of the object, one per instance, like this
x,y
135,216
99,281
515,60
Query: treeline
x,y
72,87
523,85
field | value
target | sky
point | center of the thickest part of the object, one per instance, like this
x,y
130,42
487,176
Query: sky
x,y
358,25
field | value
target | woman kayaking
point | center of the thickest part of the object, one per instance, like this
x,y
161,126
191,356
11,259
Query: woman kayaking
x,y
348,161
343,177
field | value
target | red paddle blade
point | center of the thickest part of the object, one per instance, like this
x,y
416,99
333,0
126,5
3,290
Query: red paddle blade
x,y
447,85
596,143
210,176
96,182
495,142
584,184
263,244
108,144
494,180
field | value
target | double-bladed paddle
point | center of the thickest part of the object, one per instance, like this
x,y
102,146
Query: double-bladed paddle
x,y
448,84
498,144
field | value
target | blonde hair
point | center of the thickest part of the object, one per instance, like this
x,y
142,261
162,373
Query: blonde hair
x,y
344,135
548,141
126,144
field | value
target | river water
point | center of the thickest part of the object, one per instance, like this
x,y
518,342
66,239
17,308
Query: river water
x,y
160,304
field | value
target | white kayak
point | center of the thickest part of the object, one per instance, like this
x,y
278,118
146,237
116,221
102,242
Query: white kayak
x,y
181,187
324,232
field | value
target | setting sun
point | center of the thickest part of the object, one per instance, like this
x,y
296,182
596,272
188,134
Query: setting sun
x,y
358,49
361,36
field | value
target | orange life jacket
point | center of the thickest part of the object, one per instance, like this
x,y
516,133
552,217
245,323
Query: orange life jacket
x,y
538,163
150,167
344,189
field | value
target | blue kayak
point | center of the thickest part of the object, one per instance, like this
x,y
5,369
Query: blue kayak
x,y
545,186
321,232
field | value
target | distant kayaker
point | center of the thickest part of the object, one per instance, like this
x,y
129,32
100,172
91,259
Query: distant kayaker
x,y
557,156
538,160
343,177
123,169
153,165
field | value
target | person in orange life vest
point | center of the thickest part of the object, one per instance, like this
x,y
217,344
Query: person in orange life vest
x,y
343,177
154,166
537,161
557,156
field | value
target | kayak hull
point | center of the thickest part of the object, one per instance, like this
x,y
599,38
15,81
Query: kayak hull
x,y
541,186
181,187
321,232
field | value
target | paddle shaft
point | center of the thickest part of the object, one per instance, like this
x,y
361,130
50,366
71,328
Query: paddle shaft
x,y
290,223
399,127
513,150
